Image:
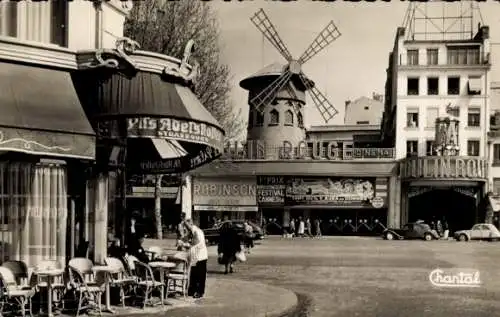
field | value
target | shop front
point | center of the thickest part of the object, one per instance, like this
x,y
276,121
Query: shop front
x,y
445,188
47,146
224,199
344,206
271,201
146,116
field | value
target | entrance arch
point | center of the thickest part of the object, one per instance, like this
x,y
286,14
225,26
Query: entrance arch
x,y
457,208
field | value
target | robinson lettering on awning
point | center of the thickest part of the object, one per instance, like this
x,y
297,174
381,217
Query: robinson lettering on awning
x,y
142,96
41,113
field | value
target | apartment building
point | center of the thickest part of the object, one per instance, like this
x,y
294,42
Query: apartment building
x,y
437,115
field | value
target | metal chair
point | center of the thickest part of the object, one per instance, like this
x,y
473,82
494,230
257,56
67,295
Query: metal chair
x,y
123,279
14,294
147,282
82,280
178,277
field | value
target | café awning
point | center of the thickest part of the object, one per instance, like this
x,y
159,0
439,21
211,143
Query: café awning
x,y
41,113
148,105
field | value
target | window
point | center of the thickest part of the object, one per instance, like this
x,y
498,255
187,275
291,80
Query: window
x,y
432,56
300,120
259,119
496,153
274,118
473,148
453,85
362,122
474,85
429,148
474,117
413,86
46,22
367,108
412,119
433,86
411,148
432,115
8,18
412,57
463,55
289,118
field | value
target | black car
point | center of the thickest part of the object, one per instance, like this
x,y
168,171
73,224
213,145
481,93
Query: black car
x,y
413,230
212,234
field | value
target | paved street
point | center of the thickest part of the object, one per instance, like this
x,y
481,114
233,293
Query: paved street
x,y
350,276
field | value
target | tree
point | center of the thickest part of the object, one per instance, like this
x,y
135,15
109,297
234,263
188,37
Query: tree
x,y
166,27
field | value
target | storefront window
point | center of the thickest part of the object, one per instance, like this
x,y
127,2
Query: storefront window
x,y
34,211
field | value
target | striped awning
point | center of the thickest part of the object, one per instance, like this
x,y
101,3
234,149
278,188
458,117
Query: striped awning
x,y
145,106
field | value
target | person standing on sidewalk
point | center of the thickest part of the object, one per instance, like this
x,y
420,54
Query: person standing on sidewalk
x,y
198,255
229,245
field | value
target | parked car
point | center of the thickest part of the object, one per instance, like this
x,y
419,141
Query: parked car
x,y
480,231
412,230
212,234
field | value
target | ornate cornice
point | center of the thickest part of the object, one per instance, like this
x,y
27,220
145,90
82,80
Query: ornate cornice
x,y
127,57
15,50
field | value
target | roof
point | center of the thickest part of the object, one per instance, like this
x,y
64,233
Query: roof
x,y
271,70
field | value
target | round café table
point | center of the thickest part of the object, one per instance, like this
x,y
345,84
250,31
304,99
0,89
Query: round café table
x,y
106,270
50,274
163,267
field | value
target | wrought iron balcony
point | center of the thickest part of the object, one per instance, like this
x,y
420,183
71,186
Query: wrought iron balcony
x,y
248,152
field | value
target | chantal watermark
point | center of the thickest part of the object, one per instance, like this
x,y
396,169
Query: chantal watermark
x,y
455,278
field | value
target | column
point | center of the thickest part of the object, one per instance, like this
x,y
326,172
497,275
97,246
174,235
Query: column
x,y
101,217
187,196
404,204
88,217
394,202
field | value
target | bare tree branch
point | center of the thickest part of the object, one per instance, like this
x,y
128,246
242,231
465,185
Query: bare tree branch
x,y
166,26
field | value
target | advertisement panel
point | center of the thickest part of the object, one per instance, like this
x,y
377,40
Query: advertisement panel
x,y
271,190
335,192
225,191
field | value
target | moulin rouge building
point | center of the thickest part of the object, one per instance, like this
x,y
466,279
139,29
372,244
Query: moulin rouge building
x,y
424,159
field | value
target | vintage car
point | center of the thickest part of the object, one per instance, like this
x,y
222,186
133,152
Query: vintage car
x,y
212,234
480,231
413,230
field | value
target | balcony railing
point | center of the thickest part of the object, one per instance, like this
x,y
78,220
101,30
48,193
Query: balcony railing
x,y
452,58
273,153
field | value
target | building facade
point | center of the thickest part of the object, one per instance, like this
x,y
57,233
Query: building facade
x,y
337,174
49,193
77,119
437,118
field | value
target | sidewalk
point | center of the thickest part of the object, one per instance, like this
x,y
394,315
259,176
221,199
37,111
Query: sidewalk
x,y
224,297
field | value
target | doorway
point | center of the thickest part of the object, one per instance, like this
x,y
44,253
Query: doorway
x,y
459,210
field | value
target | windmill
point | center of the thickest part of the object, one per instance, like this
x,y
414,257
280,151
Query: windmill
x,y
294,67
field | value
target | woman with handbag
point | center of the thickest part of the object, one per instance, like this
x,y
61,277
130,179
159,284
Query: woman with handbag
x,y
229,245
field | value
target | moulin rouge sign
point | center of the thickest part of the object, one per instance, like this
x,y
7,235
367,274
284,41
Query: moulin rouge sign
x,y
444,167
312,150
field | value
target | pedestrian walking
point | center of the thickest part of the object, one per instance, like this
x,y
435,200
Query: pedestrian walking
x,y
317,227
439,228
249,236
292,228
446,229
308,228
300,231
229,245
198,256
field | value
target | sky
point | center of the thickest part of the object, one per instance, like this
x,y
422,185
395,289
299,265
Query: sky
x,y
352,66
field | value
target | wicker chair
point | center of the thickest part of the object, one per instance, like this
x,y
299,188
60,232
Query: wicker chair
x,y
122,280
14,294
82,280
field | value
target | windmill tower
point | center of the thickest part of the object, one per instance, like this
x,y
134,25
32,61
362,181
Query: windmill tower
x,y
276,94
